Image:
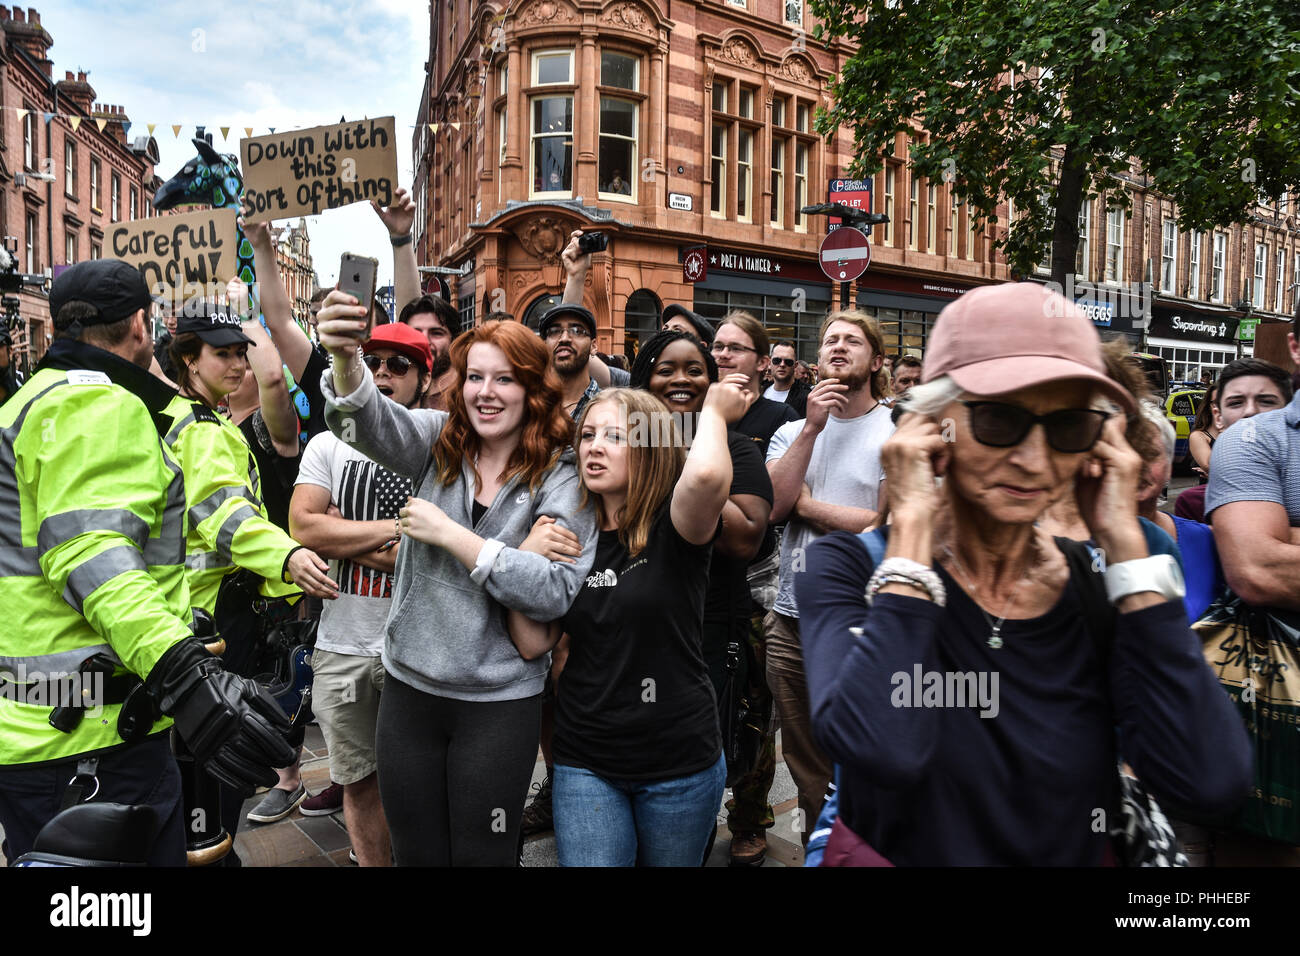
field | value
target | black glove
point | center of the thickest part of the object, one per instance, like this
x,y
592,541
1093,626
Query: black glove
x,y
234,728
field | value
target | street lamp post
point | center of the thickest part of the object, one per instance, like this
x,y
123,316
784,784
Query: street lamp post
x,y
853,219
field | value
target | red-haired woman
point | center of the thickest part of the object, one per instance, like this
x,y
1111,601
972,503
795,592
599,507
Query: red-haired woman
x,y
459,715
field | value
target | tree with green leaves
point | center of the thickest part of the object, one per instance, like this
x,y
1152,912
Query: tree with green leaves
x,y
1047,103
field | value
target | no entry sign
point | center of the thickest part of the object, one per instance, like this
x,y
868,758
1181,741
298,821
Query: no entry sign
x,y
845,254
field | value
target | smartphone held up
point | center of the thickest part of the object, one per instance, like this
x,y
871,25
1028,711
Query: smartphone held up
x,y
357,277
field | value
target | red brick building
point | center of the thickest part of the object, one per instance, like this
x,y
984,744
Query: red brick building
x,y
293,259
676,124
68,167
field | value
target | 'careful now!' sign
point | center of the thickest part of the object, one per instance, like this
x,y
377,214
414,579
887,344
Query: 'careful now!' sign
x,y
173,252
301,172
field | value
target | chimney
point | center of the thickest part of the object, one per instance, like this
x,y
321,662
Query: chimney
x,y
25,29
77,91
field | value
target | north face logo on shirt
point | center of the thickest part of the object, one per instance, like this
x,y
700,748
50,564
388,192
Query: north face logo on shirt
x,y
602,579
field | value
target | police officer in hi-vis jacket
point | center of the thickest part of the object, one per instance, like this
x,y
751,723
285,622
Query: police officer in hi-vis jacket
x,y
92,581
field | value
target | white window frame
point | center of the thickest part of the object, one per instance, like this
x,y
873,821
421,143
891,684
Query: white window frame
x,y
1261,272
954,221
1218,267
802,117
719,192
69,248
539,55
797,18
931,215
777,177
913,210
970,232
1279,269
888,199
745,174
114,197
31,231
745,102
800,185
1168,255
1083,253
69,167
1114,246
1194,265
31,141
632,178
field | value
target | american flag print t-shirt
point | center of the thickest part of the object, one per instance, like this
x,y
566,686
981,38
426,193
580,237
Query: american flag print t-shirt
x,y
362,490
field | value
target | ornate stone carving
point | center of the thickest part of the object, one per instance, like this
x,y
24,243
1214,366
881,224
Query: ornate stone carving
x,y
738,51
543,238
522,280
797,70
627,15
545,11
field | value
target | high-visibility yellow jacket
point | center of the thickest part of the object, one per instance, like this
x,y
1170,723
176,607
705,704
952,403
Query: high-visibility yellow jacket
x,y
228,525
92,542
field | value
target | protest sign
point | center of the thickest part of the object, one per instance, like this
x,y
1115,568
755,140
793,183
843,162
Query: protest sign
x,y
175,252
301,172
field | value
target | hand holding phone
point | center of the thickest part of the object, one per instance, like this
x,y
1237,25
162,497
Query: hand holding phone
x,y
357,277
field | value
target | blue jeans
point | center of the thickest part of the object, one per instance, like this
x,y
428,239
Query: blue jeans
x,y
600,822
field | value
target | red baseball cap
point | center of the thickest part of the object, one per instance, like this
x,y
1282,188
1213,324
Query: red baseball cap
x,y
401,338
1001,338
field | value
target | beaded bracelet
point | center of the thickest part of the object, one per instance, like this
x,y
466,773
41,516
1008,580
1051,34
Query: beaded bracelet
x,y
905,571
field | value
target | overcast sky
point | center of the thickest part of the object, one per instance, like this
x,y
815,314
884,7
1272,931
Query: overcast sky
x,y
287,64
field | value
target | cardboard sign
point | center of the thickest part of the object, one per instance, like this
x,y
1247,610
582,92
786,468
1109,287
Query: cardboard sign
x,y
301,172
173,252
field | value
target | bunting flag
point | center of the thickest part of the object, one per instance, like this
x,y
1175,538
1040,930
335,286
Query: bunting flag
x,y
248,131
48,117
455,126
126,128
434,127
22,114
176,130
101,122
151,127
225,132
272,129
74,122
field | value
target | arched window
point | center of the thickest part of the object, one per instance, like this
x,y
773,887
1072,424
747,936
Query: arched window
x,y
640,320
538,309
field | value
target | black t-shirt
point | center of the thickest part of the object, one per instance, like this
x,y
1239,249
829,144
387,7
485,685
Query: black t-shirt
x,y
635,701
278,474
316,366
728,593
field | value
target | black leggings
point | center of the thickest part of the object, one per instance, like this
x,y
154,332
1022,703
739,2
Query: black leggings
x,y
454,774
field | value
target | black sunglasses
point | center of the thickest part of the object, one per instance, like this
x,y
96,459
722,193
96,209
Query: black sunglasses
x,y
777,361
1069,431
397,364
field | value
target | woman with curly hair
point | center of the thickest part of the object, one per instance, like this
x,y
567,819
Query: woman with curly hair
x,y
459,716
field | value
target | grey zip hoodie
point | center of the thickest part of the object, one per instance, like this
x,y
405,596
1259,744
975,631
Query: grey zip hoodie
x,y
446,631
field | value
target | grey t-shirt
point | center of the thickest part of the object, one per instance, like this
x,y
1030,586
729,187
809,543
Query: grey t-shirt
x,y
844,470
1258,459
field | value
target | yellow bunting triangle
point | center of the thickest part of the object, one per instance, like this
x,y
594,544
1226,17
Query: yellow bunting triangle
x,y
225,132
23,113
456,127
151,127
74,121
434,127
176,130
248,131
101,123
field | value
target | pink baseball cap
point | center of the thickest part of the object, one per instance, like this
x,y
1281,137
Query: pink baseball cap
x,y
1000,338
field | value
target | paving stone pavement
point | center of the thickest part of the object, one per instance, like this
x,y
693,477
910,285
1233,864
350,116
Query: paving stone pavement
x,y
323,841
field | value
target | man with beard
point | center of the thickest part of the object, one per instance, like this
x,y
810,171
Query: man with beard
x,y
434,318
569,331
826,476
161,349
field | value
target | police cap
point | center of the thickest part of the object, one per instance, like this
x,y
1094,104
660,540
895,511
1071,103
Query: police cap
x,y
214,324
113,288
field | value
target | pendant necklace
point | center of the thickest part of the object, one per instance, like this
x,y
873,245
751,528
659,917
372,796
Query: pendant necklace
x,y
995,628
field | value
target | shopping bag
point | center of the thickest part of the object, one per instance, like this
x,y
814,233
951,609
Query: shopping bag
x,y
1255,653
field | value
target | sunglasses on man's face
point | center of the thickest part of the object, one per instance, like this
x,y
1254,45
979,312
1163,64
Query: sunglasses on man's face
x,y
397,364
1069,430
777,361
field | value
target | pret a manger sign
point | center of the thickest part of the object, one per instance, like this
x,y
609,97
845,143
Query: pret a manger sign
x,y
301,172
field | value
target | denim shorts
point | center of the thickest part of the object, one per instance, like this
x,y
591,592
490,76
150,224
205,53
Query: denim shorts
x,y
600,822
